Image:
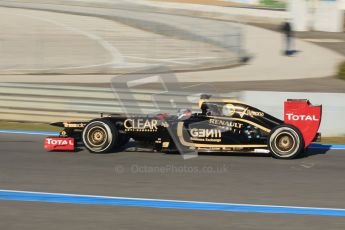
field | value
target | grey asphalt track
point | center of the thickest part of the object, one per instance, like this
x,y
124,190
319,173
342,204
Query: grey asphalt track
x,y
316,180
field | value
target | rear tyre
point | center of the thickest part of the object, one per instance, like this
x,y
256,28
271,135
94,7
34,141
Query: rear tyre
x,y
100,136
285,142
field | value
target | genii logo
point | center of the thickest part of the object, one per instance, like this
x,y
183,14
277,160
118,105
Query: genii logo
x,y
213,133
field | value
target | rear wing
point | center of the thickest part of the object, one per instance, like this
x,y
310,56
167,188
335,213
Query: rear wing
x,y
304,116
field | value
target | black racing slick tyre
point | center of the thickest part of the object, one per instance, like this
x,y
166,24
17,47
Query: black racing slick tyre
x,y
285,142
100,136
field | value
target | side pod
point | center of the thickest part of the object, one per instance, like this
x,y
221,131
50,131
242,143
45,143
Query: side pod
x,y
304,116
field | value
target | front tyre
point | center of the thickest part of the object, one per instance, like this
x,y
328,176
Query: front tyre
x,y
100,136
285,142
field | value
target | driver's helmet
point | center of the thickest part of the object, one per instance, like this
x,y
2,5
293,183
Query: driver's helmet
x,y
184,114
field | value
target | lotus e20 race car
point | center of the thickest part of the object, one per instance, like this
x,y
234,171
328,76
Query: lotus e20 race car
x,y
220,126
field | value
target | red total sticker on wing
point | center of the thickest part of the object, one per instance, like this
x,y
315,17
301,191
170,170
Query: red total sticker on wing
x,y
304,116
59,143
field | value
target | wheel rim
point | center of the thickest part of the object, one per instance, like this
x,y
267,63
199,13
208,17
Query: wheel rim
x,y
285,143
97,136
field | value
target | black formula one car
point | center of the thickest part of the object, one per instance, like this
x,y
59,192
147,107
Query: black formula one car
x,y
220,126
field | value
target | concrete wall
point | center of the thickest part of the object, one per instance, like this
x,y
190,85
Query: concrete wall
x,y
319,15
48,103
299,14
328,17
342,4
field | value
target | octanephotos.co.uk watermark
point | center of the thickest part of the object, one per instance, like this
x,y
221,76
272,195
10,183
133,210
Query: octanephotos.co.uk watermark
x,y
171,169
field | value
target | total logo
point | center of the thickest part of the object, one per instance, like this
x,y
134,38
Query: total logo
x,y
294,117
51,141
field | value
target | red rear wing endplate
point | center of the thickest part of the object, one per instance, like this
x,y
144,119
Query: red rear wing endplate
x,y
304,116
